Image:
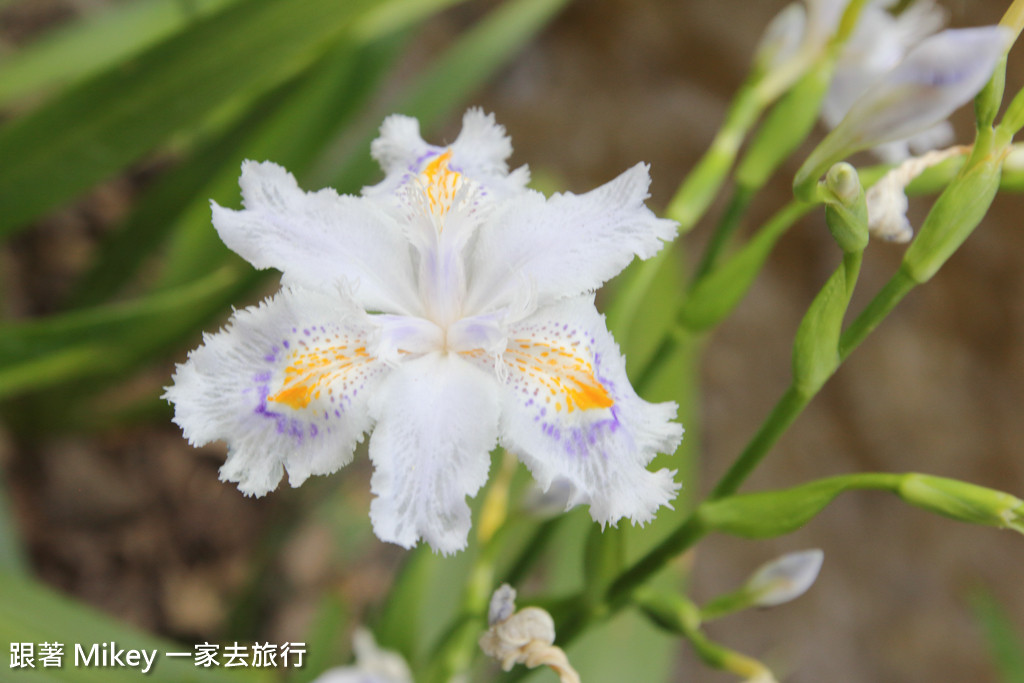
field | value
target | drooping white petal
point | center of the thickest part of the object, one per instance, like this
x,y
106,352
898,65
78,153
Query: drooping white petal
x,y
879,42
566,245
568,411
319,239
285,384
934,79
437,421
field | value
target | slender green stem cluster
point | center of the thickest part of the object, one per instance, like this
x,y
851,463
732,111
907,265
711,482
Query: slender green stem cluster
x,y
613,577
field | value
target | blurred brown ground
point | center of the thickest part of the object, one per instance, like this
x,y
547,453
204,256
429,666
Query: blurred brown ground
x,y
136,522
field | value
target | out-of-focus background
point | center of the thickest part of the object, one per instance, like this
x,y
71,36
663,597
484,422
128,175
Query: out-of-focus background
x,y
134,521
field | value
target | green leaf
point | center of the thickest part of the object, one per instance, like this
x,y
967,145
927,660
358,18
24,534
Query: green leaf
x,y
12,559
1003,639
98,40
325,640
452,77
30,613
299,119
816,346
715,296
395,630
109,121
97,341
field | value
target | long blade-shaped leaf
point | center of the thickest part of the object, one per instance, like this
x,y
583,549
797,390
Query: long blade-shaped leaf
x,y
453,76
97,128
103,38
31,613
95,341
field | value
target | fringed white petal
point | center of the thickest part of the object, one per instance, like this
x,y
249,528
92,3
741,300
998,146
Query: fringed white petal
x,y
566,245
399,145
437,420
479,153
569,412
319,239
285,384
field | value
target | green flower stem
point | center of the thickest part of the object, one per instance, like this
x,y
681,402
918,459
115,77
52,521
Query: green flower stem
x,y
717,293
738,203
1014,17
684,537
782,416
884,302
678,615
458,646
700,187
532,551
751,516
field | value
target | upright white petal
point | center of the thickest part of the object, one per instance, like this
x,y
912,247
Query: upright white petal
x,y
566,245
569,412
480,152
319,239
437,421
399,148
285,384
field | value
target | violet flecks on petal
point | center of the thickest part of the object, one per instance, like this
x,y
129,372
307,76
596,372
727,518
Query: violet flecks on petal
x,y
447,310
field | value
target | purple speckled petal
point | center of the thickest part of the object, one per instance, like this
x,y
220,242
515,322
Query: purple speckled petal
x,y
569,411
285,384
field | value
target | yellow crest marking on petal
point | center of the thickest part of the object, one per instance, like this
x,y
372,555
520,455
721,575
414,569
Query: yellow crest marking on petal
x,y
440,184
308,370
563,370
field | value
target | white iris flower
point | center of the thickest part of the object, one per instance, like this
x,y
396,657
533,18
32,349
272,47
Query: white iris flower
x,y
449,309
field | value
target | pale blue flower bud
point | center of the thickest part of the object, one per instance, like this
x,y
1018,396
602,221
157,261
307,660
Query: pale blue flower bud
x,y
785,578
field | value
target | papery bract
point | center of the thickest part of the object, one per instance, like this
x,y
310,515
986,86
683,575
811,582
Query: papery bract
x,y
449,309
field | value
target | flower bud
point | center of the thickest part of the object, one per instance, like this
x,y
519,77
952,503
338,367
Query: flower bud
x,y
955,214
963,501
845,210
785,578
